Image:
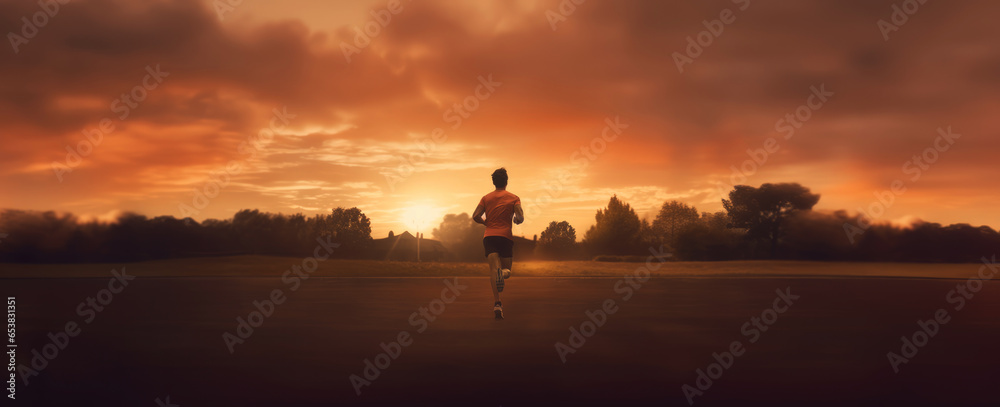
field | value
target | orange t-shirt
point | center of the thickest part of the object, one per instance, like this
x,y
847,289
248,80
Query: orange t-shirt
x,y
499,207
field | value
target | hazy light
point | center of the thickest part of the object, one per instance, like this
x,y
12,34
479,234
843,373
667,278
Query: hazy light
x,y
421,217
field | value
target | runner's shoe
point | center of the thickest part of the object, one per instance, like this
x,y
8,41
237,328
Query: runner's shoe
x,y
498,310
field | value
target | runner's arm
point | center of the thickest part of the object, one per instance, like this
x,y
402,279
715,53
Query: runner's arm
x,y
477,216
518,214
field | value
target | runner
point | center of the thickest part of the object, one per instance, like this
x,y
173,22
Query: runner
x,y
500,208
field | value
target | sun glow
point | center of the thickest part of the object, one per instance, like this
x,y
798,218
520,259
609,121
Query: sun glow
x,y
420,218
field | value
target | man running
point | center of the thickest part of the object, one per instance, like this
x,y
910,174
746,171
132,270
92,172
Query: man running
x,y
500,207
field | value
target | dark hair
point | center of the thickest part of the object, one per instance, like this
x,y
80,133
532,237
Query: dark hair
x,y
500,178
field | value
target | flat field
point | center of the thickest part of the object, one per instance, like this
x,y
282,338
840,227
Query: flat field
x,y
824,341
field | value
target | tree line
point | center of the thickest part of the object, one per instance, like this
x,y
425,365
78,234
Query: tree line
x,y
47,237
773,221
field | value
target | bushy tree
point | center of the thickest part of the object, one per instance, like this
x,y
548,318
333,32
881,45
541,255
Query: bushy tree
x,y
672,218
616,231
762,211
557,242
648,236
708,238
352,229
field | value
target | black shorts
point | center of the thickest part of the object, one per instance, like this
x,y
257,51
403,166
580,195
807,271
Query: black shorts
x,y
500,245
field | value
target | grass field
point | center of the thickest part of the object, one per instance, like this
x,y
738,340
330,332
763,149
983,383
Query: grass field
x,y
165,334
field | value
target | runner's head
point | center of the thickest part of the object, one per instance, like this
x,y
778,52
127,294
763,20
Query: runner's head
x,y
500,178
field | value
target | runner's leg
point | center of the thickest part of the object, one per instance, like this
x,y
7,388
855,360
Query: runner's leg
x,y
494,262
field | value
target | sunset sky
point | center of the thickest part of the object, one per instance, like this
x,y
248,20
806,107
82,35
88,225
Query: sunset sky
x,y
357,124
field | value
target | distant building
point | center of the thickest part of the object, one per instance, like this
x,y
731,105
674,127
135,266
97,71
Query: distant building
x,y
524,249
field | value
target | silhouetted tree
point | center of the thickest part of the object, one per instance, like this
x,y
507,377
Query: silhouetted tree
x,y
253,230
351,228
557,242
761,211
616,231
708,238
672,218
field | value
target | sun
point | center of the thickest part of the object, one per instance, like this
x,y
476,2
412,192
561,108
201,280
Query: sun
x,y
420,218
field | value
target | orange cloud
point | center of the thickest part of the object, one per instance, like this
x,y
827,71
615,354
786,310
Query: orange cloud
x,y
357,121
